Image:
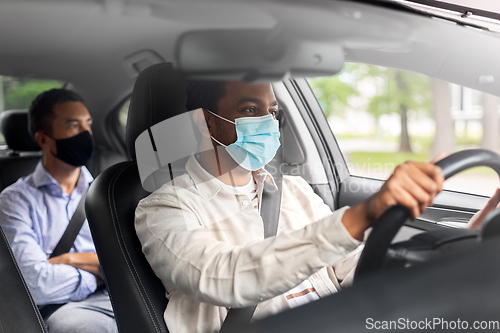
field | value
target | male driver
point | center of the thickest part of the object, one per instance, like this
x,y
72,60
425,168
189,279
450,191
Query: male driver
x,y
35,211
203,235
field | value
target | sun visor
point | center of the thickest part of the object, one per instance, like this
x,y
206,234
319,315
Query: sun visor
x,y
255,55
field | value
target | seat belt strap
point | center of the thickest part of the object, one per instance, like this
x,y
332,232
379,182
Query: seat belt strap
x,y
270,212
72,230
64,245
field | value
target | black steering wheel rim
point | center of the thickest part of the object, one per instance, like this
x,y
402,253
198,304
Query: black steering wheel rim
x,y
387,225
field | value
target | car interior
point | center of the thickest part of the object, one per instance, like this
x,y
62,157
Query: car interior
x,y
139,53
22,153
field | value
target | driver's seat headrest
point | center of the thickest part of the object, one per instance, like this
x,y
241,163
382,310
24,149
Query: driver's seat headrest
x,y
159,93
14,127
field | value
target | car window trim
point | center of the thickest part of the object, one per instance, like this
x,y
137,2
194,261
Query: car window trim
x,y
332,159
464,10
399,6
116,133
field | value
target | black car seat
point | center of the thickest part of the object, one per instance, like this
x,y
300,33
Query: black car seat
x,y
23,153
18,312
137,294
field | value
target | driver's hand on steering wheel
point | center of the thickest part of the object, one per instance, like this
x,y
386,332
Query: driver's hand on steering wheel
x,y
477,220
413,185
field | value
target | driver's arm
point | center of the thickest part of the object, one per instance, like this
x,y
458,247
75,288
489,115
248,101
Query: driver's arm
x,y
413,185
189,258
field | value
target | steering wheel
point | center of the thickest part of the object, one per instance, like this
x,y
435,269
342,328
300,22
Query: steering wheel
x,y
387,225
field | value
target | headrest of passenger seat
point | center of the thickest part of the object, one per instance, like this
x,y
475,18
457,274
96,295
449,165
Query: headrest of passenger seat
x,y
159,93
14,127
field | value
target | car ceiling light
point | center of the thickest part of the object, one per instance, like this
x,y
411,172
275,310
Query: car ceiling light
x,y
486,79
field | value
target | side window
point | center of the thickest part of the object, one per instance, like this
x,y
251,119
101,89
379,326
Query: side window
x,y
123,114
382,117
18,92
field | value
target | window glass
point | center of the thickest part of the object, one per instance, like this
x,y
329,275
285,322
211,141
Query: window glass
x,y
123,114
18,92
382,117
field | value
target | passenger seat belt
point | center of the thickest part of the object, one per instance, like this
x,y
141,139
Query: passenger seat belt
x,y
72,230
64,245
270,212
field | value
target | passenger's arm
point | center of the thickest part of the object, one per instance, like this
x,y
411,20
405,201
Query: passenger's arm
x,y
48,283
86,261
192,261
477,220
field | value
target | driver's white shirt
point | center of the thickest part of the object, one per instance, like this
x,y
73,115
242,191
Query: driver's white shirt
x,y
304,292
207,246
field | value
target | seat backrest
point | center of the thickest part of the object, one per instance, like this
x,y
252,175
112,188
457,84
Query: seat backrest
x,y
23,154
137,294
18,312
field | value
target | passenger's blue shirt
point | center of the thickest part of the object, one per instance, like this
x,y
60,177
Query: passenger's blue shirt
x,y
34,213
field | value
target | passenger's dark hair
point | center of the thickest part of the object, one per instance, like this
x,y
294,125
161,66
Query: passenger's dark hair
x,y
204,94
41,113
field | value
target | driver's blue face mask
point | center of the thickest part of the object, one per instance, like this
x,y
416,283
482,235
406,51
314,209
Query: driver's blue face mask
x,y
257,141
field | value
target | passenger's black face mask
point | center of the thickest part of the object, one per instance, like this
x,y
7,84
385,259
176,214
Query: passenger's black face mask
x,y
76,150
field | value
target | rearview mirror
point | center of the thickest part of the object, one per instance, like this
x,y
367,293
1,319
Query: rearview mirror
x,y
255,55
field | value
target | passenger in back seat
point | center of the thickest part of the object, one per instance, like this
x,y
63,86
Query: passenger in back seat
x,y
35,211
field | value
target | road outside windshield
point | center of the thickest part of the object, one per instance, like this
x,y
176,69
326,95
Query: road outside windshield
x,y
382,117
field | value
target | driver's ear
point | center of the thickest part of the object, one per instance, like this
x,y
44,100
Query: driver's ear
x,y
200,119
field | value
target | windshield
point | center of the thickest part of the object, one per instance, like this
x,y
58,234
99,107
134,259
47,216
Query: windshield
x,y
483,14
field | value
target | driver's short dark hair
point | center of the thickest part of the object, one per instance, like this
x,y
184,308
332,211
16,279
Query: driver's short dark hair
x,y
204,94
41,111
